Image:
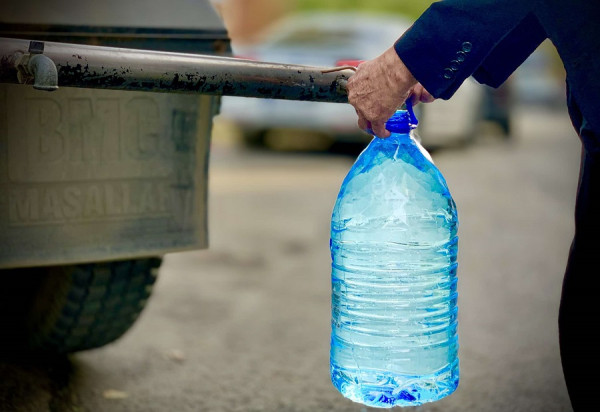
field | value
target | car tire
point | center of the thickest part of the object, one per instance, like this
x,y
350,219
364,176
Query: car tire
x,y
71,308
505,127
254,139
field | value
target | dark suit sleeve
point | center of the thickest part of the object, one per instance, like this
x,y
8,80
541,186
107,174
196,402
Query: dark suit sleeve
x,y
455,39
512,50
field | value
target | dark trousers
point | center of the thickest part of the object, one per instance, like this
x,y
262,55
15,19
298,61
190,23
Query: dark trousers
x,y
579,315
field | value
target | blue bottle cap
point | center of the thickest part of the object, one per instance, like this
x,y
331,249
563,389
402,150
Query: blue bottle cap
x,y
400,122
403,121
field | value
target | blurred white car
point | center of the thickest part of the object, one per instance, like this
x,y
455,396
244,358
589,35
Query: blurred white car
x,y
324,39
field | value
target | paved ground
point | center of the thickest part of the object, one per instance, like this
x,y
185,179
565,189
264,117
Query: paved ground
x,y
244,326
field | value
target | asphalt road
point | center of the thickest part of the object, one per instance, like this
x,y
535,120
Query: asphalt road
x,y
244,325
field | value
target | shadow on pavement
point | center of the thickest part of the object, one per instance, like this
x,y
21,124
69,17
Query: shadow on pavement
x,y
34,382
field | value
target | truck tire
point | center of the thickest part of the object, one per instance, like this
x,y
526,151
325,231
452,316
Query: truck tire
x,y
78,307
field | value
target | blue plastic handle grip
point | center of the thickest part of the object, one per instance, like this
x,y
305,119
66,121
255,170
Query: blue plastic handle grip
x,y
409,107
413,121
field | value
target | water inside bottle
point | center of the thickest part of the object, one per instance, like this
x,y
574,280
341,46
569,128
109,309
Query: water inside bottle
x,y
394,250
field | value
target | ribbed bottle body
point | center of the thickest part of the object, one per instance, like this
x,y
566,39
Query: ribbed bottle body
x,y
394,246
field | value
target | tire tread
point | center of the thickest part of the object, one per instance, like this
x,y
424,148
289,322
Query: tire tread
x,y
102,301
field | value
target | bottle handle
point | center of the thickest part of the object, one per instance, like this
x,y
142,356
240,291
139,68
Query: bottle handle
x,y
413,121
409,108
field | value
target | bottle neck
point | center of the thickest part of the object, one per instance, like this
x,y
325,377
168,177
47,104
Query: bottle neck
x,y
400,138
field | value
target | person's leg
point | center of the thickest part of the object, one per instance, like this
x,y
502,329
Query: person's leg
x,y
579,315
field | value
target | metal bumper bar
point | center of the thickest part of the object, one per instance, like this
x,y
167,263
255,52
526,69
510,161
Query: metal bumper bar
x,y
49,65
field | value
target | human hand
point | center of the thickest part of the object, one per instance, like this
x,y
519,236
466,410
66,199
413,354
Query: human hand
x,y
419,94
379,87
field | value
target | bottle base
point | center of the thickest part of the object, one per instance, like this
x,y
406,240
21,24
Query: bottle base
x,y
384,390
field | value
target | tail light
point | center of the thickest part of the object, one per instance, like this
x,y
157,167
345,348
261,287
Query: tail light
x,y
349,62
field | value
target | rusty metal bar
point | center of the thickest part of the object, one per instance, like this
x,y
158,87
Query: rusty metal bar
x,y
101,67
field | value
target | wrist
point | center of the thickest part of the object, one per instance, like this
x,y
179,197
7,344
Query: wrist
x,y
398,72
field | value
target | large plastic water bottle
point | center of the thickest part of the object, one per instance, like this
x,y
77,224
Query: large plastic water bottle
x,y
394,251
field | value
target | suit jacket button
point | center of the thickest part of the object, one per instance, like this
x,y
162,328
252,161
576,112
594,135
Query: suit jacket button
x,y
467,47
460,56
454,65
448,73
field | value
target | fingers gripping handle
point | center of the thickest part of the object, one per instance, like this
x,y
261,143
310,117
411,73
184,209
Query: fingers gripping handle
x,y
352,65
